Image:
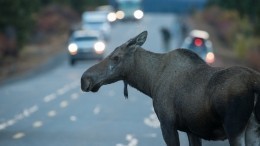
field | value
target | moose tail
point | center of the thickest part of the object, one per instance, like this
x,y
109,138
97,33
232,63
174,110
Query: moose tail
x,y
257,93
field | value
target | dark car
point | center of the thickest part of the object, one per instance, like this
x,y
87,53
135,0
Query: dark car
x,y
198,42
85,45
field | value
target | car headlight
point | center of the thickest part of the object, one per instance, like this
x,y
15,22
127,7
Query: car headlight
x,y
99,47
120,15
210,57
73,48
111,17
138,14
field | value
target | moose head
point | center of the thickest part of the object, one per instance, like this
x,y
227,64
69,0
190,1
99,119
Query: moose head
x,y
114,67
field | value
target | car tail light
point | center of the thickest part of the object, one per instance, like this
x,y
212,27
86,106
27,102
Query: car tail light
x,y
198,42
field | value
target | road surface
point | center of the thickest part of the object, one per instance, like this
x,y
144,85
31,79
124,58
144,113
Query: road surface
x,y
49,109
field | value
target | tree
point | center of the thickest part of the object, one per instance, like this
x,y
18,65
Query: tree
x,y
17,15
248,8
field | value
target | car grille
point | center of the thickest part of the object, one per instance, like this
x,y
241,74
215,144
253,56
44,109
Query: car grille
x,y
85,50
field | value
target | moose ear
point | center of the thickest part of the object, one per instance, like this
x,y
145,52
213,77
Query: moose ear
x,y
138,40
141,38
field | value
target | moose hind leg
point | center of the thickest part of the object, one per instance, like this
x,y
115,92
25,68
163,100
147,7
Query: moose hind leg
x,y
253,132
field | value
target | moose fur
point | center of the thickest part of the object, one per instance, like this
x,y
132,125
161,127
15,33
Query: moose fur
x,y
188,95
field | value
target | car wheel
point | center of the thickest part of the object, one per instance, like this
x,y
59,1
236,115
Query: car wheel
x,y
72,62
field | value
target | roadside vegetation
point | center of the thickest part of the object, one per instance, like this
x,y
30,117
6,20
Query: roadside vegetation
x,y
237,26
32,31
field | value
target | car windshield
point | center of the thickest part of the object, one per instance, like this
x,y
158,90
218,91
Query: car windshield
x,y
94,25
85,38
128,5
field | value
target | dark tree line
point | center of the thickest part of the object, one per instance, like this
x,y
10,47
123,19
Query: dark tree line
x,y
245,8
17,19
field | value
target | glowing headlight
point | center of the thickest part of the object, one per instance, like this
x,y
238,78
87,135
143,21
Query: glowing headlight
x,y
73,48
120,15
111,17
99,47
138,14
210,58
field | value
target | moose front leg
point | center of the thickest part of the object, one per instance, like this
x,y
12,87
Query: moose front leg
x,y
170,134
194,140
165,114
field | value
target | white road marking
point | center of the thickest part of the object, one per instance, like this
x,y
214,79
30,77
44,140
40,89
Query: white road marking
x,y
3,126
11,122
25,113
52,113
97,110
151,135
29,111
132,141
60,91
64,104
129,137
74,96
50,97
18,135
37,124
73,118
152,121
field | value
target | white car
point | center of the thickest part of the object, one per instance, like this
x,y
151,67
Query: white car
x,y
198,42
84,45
97,21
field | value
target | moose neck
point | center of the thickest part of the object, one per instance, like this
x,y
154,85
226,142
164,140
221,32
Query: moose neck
x,y
144,70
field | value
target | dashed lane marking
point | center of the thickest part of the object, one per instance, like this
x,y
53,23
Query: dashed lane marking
x,y
150,135
37,124
31,110
60,92
73,118
74,96
97,110
50,97
18,135
152,120
25,113
132,141
64,104
52,113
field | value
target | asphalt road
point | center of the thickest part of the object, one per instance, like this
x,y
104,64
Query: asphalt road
x,y
49,109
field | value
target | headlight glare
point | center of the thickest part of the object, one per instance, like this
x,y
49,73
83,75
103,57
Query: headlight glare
x,y
120,15
73,48
99,47
111,17
138,14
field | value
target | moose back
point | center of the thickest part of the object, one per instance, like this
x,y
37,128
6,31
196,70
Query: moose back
x,y
188,95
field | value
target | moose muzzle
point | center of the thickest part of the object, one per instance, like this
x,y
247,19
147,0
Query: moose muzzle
x,y
85,85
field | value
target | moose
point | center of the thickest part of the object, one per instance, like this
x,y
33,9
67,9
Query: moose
x,y
188,95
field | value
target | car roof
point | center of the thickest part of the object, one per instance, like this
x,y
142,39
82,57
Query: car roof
x,y
82,33
94,16
199,34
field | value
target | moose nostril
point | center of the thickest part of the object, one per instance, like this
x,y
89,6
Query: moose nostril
x,y
84,84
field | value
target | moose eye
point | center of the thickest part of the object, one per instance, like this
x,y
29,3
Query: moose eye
x,y
116,58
